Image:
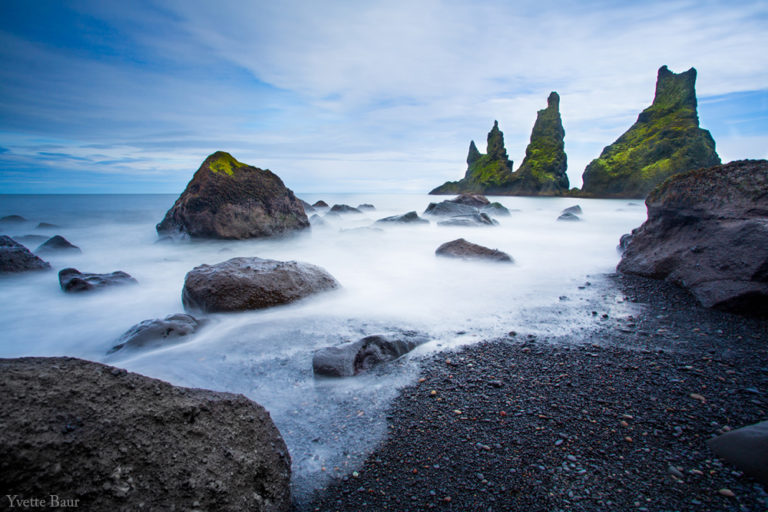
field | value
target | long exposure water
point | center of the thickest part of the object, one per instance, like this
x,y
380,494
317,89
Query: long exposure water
x,y
390,277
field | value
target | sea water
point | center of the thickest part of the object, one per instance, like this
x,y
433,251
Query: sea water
x,y
390,280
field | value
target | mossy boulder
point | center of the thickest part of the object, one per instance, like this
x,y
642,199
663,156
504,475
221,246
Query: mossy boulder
x,y
664,141
232,200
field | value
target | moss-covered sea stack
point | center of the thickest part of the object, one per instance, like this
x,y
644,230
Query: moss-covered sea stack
x,y
489,173
665,140
232,200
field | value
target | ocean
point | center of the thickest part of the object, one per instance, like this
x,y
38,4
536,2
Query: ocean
x,y
391,280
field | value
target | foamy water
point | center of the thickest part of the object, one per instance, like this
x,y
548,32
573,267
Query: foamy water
x,y
390,277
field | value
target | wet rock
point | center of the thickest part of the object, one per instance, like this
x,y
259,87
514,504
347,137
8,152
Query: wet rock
x,y
473,220
10,220
569,217
30,239
72,280
366,206
46,225
158,332
252,283
14,257
317,220
351,359
466,250
449,209
115,440
307,207
320,204
406,218
228,199
746,448
575,209
57,244
344,208
476,200
495,208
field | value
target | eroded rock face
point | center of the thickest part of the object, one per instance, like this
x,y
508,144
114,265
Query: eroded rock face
x,y
467,250
351,359
14,257
72,280
120,441
241,284
664,141
707,231
231,200
157,333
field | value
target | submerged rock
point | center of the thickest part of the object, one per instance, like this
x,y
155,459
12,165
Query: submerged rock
x,y
57,244
307,207
352,359
317,220
474,220
460,248
476,200
495,208
241,284
231,200
707,231
320,204
746,448
158,332
46,225
664,141
114,440
406,218
72,280
12,219
344,208
366,206
569,217
575,209
449,209
14,257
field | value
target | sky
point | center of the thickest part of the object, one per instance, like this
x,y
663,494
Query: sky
x,y
351,96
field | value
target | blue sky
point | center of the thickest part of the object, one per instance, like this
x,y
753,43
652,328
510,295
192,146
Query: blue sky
x,y
343,96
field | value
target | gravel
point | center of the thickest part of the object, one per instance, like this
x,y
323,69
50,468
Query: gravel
x,y
614,421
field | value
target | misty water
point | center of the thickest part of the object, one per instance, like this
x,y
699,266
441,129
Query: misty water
x,y
391,280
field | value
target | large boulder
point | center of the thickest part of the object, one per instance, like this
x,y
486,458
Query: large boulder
x,y
106,439
470,221
664,141
746,448
707,231
14,257
350,359
406,218
241,284
72,280
157,333
57,244
231,200
449,209
467,250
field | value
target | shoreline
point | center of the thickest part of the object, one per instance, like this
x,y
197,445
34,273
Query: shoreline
x,y
618,421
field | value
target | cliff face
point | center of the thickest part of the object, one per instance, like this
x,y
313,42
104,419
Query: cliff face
x,y
665,140
541,173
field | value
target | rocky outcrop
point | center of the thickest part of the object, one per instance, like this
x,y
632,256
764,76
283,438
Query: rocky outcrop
x,y
664,141
241,284
231,200
406,218
11,220
366,206
490,173
14,257
473,220
107,439
157,333
344,208
350,359
72,280
320,204
47,225
746,448
57,244
476,200
449,209
707,231
467,250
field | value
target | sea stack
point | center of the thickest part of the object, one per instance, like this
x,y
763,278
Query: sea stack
x,y
664,141
232,200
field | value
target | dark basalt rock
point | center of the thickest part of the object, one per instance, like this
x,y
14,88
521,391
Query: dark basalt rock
x,y
575,209
664,141
320,204
495,208
476,200
14,257
352,359
366,206
344,208
46,225
406,218
57,244
157,333
569,217
114,440
467,250
746,448
242,284
474,220
72,280
231,200
707,231
449,209
12,219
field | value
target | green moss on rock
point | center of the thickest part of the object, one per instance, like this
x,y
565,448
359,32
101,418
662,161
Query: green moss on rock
x,y
664,141
223,162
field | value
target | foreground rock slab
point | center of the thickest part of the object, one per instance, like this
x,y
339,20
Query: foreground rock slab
x,y
158,332
351,359
15,258
72,280
241,284
460,248
707,231
114,440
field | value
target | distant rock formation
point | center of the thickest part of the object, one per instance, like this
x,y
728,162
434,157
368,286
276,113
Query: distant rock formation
x,y
707,231
665,140
231,200
541,173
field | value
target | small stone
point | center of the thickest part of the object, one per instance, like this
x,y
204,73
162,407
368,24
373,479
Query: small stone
x,y
628,439
433,392
698,397
623,423
727,492
675,472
